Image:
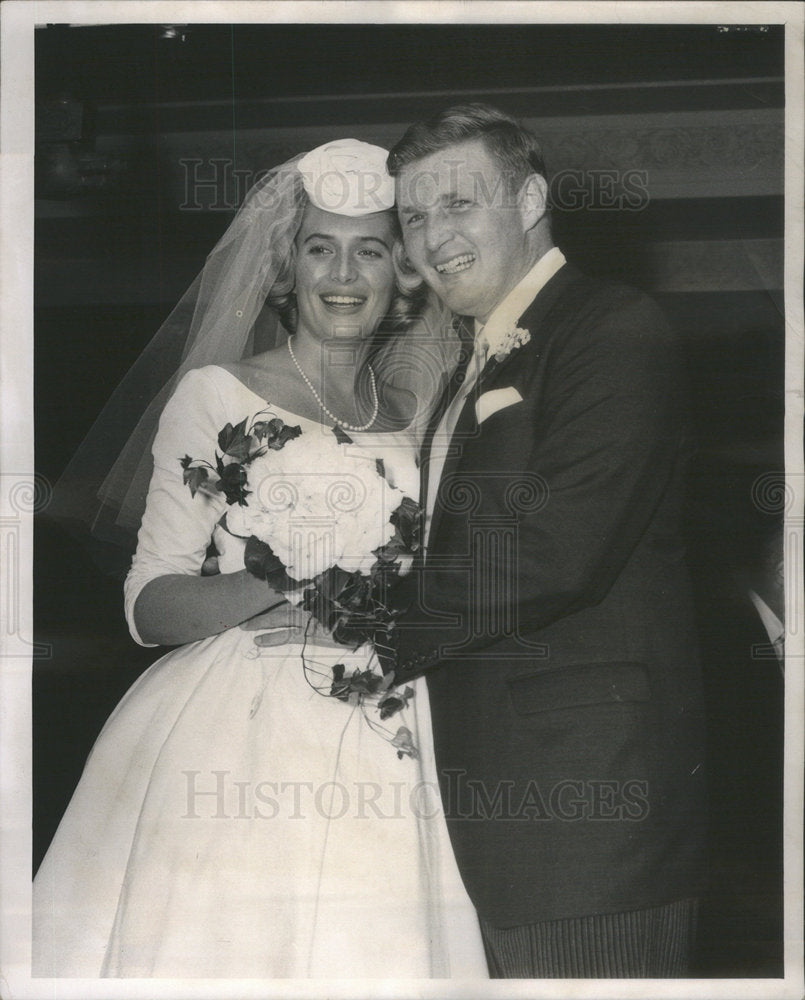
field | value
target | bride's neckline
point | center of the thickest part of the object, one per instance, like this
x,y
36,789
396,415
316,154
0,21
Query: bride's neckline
x,y
274,406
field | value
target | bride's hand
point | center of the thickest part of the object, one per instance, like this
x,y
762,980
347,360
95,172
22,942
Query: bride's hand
x,y
284,624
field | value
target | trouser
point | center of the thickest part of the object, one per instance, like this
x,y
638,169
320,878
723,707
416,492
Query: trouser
x,y
655,943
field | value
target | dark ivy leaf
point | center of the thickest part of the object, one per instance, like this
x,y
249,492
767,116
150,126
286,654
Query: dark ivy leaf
x,y
407,519
408,512
361,683
280,433
233,484
353,630
366,681
332,582
260,429
340,688
394,701
194,477
225,435
389,552
235,441
341,435
354,594
391,704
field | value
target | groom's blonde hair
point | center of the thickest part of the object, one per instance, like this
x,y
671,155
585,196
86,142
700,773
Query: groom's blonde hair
x,y
516,149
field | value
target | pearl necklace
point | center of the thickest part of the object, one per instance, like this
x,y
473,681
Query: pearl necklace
x,y
330,414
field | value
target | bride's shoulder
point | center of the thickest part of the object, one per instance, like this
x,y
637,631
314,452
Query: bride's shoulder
x,y
266,374
227,387
262,369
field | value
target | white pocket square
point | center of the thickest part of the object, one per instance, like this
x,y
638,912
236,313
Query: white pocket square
x,y
494,400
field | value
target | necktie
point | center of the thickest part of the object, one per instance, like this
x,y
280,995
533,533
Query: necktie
x,y
451,389
460,374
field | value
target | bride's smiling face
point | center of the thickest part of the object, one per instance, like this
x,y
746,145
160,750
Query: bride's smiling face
x,y
344,272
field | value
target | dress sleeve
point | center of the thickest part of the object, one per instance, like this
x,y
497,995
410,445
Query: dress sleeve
x,y
177,527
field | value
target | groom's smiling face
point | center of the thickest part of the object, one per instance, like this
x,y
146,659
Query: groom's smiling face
x,y
463,227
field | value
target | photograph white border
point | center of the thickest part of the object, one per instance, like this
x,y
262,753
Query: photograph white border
x,y
17,21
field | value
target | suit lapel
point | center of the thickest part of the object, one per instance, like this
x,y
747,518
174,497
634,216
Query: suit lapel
x,y
532,320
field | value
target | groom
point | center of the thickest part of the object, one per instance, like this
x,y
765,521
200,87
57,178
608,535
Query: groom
x,y
552,613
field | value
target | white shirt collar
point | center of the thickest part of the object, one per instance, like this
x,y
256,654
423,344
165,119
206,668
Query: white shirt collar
x,y
504,317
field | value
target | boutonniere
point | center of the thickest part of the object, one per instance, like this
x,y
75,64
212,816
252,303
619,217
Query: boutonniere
x,y
516,337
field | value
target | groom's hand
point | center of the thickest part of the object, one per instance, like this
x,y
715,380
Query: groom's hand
x,y
285,624
279,625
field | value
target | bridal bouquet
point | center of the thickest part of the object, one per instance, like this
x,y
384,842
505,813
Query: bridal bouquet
x,y
329,533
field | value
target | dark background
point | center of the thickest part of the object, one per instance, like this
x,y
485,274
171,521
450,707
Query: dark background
x,y
118,239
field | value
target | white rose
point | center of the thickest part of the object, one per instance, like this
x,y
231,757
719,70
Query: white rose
x,y
337,515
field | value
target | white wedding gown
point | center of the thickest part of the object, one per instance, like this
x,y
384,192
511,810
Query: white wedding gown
x,y
231,821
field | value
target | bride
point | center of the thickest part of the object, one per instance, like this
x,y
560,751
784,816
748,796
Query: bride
x,y
231,821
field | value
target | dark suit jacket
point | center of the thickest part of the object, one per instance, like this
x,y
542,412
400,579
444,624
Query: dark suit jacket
x,y
554,621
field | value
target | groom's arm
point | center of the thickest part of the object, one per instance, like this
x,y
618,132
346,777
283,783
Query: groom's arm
x,y
610,426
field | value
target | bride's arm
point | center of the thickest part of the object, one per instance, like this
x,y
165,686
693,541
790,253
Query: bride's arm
x,y
175,608
168,601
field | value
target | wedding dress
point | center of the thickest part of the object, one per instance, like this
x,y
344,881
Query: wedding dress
x,y
233,822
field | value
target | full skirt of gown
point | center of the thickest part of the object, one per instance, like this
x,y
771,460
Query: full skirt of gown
x,y
233,822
